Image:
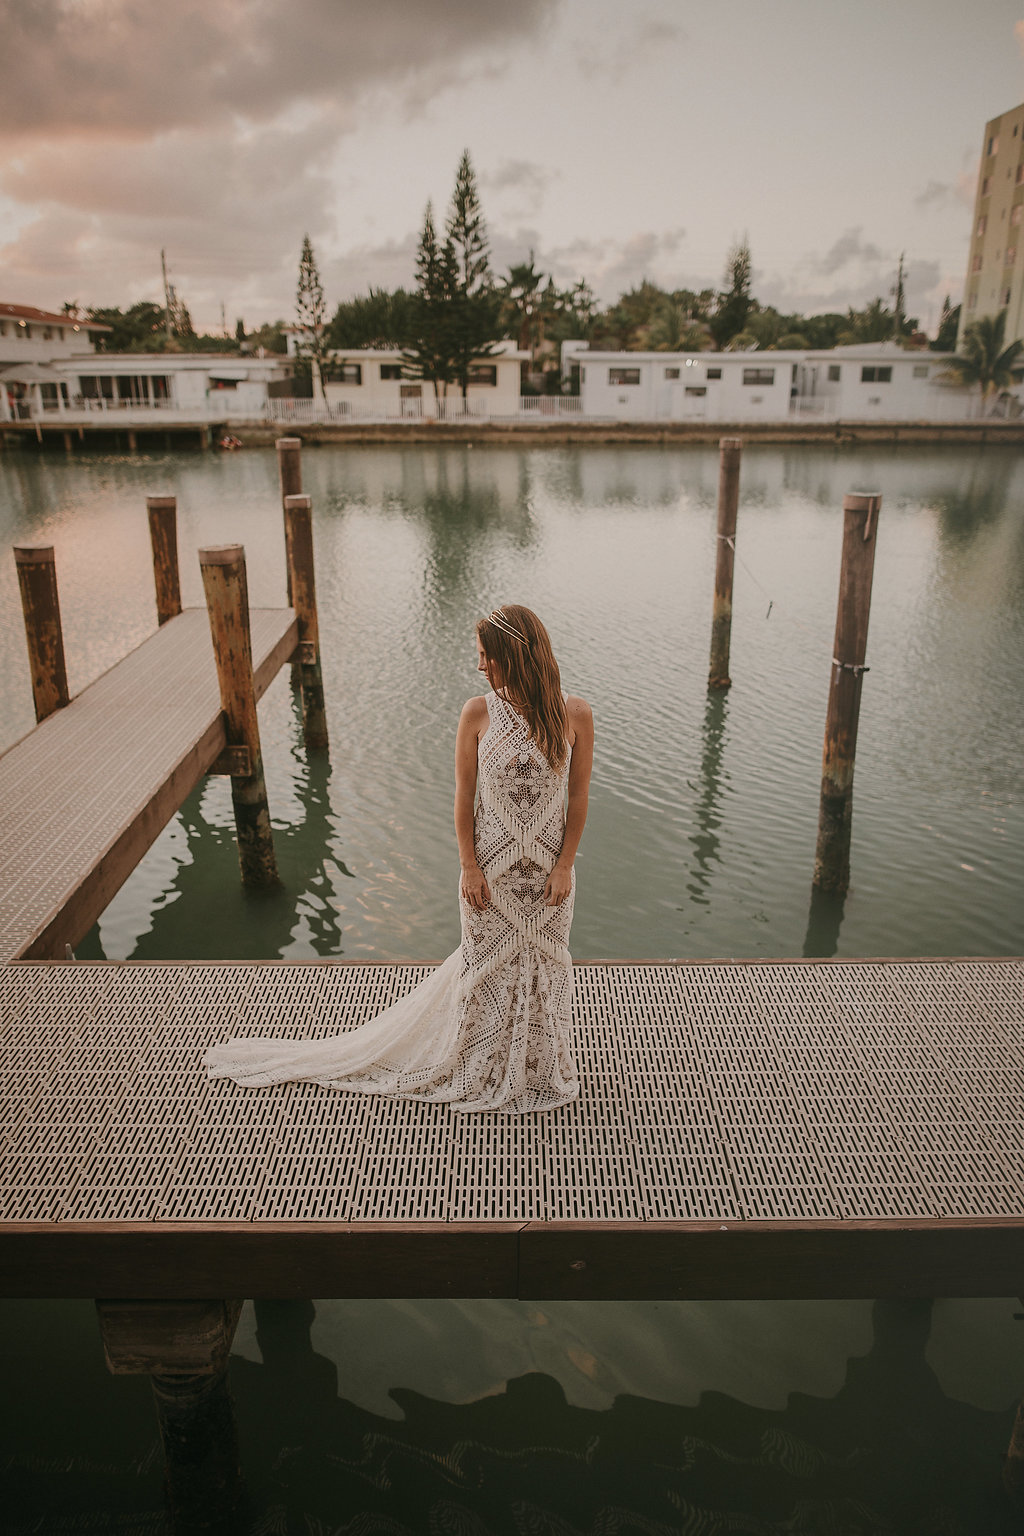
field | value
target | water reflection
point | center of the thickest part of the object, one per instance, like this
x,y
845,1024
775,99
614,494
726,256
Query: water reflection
x,y
302,910
707,806
824,920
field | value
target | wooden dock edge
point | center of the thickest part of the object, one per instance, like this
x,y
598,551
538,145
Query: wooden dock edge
x,y
109,873
536,1261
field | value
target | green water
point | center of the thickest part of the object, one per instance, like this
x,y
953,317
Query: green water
x,y
502,1416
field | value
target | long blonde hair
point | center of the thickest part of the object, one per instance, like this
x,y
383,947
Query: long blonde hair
x,y
518,647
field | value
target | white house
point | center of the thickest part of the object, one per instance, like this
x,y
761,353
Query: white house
x,y
879,381
131,386
376,383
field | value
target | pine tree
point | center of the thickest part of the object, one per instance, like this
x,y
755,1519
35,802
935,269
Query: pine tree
x,y
311,316
431,354
477,306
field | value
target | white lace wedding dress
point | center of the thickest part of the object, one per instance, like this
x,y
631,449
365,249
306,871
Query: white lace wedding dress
x,y
490,1028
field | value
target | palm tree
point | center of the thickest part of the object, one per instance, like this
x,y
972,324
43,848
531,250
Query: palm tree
x,y
984,360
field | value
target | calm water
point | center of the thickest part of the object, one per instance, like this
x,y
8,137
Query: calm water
x,y
476,1417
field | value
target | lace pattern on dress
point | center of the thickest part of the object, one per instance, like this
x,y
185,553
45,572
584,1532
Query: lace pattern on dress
x,y
491,1027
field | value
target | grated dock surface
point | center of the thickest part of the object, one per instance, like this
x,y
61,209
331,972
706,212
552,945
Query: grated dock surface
x,y
762,1091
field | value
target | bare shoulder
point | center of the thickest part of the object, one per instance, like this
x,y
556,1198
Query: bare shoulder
x,y
579,717
474,715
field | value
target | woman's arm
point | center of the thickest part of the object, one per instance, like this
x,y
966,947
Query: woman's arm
x,y
581,730
472,720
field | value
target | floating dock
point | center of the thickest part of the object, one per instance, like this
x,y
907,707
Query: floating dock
x,y
762,1129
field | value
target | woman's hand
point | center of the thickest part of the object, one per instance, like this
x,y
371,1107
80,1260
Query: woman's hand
x,y
474,887
559,884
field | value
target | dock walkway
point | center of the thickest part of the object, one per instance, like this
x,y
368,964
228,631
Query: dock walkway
x,y
84,794
776,1128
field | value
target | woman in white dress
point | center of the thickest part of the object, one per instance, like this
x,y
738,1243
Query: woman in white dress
x,y
490,1028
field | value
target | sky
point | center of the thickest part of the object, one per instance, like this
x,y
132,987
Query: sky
x,y
616,139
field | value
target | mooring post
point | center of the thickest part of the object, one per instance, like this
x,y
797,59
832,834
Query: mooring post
x,y
37,578
183,1346
289,469
730,449
227,601
163,534
860,528
298,537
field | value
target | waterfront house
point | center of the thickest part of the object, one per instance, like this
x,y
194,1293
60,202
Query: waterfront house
x,y
376,383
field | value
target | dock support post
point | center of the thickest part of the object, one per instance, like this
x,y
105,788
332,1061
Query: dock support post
x,y
37,578
227,600
132,441
163,534
68,444
298,535
289,469
183,1346
860,527
730,449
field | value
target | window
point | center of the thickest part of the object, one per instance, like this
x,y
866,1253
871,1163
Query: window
x,y
872,374
993,145
696,389
1015,213
835,373
714,373
671,373
976,263
1011,256
986,185
920,370
391,370
759,375
583,375
1020,174
623,376
484,373
349,373
982,224
1006,297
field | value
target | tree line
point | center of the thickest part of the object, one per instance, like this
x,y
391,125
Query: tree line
x,y
449,322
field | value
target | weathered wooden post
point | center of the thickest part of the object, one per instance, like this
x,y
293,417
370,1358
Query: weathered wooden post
x,y
860,528
298,536
37,578
183,1347
227,601
289,469
730,449
163,534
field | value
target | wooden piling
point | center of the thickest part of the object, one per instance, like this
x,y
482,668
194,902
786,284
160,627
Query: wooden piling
x,y
183,1347
133,443
860,528
227,601
289,469
163,534
730,449
37,578
298,533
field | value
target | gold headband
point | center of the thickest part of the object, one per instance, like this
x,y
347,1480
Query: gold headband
x,y
498,619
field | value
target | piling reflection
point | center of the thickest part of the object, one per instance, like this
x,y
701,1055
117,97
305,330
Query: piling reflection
x,y
247,921
824,921
707,809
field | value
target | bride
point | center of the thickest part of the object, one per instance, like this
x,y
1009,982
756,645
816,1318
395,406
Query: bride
x,y
490,1027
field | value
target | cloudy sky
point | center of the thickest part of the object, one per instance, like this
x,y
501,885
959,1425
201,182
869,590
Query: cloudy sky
x,y
616,138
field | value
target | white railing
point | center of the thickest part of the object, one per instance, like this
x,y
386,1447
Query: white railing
x,y
450,408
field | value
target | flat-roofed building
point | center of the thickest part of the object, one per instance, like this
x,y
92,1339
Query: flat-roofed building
x,y
995,264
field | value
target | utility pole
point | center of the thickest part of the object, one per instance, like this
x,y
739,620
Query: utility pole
x,y
167,295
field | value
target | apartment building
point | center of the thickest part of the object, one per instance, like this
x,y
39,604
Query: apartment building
x,y
995,266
